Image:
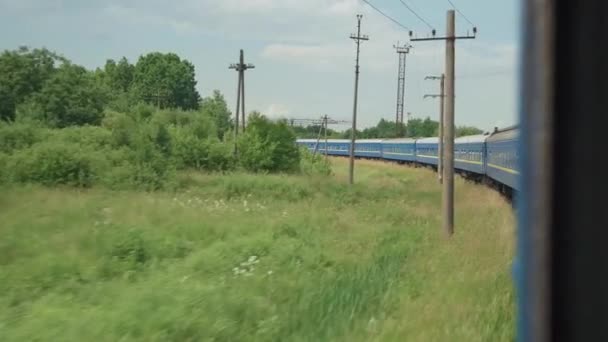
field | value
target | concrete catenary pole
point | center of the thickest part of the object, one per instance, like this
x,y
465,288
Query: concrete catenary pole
x,y
325,122
242,61
448,171
358,38
441,129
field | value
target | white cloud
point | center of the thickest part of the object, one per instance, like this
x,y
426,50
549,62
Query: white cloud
x,y
276,110
322,57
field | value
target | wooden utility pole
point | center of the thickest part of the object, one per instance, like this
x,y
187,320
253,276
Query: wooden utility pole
x,y
358,38
441,96
240,67
448,165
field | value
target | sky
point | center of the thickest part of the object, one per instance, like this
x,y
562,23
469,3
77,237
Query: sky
x,y
301,49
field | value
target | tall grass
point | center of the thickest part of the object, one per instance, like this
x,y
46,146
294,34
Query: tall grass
x,y
242,257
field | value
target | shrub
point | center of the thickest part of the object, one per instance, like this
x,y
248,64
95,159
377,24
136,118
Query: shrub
x,y
55,163
151,169
4,158
92,137
268,146
314,164
121,127
221,156
190,151
19,135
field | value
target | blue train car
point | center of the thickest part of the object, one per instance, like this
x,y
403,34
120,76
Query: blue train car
x,y
338,147
399,149
427,151
502,157
368,148
470,153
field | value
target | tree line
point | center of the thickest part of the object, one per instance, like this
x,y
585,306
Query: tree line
x,y
415,128
126,125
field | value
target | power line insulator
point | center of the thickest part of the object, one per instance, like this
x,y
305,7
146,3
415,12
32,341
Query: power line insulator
x,y
434,32
474,30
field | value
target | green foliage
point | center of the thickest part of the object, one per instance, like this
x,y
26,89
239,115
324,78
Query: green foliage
x,y
23,72
123,125
166,80
418,128
54,164
119,76
463,131
69,97
19,136
268,146
90,137
7,104
215,107
314,164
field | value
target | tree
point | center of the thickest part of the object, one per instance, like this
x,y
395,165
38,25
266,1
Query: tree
x,y
418,128
119,77
268,146
166,80
69,97
215,106
463,131
7,104
23,72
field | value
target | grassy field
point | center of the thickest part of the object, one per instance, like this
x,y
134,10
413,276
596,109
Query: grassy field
x,y
257,258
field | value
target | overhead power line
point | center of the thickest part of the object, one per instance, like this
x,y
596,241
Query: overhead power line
x,y
386,15
461,14
417,15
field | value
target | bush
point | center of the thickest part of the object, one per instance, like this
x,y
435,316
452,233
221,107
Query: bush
x,y
55,163
92,137
18,136
4,158
121,126
314,164
268,146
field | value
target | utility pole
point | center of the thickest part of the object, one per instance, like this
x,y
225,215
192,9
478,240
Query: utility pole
x,y
441,96
358,38
402,51
240,67
159,97
325,122
448,165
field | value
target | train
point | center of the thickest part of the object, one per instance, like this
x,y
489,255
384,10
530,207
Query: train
x,y
492,157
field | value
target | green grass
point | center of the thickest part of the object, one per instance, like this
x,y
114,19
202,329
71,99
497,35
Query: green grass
x,y
257,258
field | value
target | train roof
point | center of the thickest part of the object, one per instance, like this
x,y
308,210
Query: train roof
x,y
480,138
322,140
398,140
432,140
509,133
339,141
369,140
